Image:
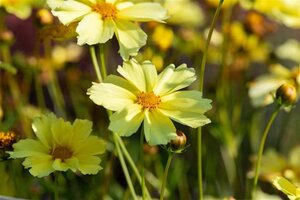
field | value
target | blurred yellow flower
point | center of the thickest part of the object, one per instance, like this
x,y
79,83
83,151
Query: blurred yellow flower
x,y
226,3
20,8
163,37
262,90
60,146
284,11
143,96
274,164
99,20
184,12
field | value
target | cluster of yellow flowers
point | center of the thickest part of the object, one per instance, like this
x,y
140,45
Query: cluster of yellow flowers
x,y
141,95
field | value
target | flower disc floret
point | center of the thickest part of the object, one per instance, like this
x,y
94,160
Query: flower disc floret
x,y
62,153
106,10
148,100
142,96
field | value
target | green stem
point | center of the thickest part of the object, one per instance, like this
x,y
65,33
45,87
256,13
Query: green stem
x,y
142,163
56,189
124,168
204,56
165,177
201,82
95,63
132,165
200,163
261,147
102,60
58,94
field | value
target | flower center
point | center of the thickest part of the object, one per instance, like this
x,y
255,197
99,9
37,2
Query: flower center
x,y
106,10
148,100
62,153
7,139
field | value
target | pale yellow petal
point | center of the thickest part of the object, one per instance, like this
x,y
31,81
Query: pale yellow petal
x,y
61,131
40,166
150,75
127,121
110,96
172,79
90,147
131,38
59,165
158,128
123,5
133,72
81,129
89,164
93,30
121,82
143,12
28,147
42,129
285,186
71,11
186,107
72,163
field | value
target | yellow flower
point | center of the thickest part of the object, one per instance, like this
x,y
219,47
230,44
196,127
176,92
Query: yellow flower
x,y
144,96
20,8
163,37
99,20
262,90
285,11
184,12
60,146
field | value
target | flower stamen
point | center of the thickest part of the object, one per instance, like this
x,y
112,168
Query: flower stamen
x,y
61,153
148,100
106,10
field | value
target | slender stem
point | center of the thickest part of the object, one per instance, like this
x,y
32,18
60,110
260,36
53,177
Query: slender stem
x,y
142,163
124,168
165,177
204,56
95,63
201,82
199,136
56,189
132,164
261,147
102,60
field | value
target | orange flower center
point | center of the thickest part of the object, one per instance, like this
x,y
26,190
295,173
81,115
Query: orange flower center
x,y
106,10
62,153
148,100
7,139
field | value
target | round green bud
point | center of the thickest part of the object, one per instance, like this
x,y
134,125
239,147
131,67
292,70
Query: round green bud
x,y
286,94
179,142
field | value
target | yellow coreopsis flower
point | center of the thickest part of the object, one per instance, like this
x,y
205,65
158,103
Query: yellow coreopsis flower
x,y
285,11
60,146
98,20
144,96
262,90
20,8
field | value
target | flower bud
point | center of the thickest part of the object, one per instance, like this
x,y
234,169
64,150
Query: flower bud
x,y
179,142
286,94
